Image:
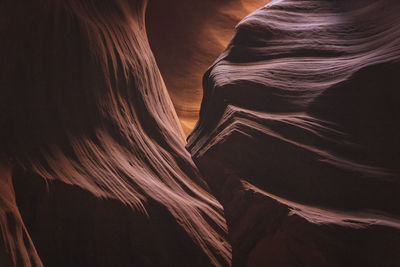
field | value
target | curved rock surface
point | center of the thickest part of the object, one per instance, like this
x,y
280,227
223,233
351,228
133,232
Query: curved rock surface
x,y
297,137
83,102
297,134
186,37
71,227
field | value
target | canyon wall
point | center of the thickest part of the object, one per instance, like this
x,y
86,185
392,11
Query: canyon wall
x,y
293,162
297,134
83,103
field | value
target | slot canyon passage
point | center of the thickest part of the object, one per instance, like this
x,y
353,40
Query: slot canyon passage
x,y
291,157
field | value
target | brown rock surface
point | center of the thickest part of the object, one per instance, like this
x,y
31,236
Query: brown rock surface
x,y
297,134
83,102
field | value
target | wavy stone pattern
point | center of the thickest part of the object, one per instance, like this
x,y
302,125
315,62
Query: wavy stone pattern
x,y
83,103
297,137
297,134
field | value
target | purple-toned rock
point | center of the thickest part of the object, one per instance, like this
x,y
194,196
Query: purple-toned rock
x,y
298,134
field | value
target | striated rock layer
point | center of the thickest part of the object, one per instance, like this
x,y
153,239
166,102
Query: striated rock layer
x,y
83,102
297,134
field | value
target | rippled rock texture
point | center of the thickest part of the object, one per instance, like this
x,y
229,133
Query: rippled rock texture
x,y
298,134
83,103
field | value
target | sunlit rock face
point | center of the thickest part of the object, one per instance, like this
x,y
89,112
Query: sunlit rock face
x,y
186,37
298,134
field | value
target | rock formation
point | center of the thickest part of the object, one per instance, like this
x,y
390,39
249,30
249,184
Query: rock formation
x,y
297,134
293,162
83,103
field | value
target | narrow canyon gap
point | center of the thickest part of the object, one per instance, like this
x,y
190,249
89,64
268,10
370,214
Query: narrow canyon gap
x,y
293,162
